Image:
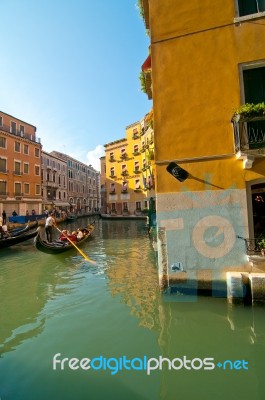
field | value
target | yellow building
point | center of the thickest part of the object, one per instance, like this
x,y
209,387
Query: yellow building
x,y
129,173
207,59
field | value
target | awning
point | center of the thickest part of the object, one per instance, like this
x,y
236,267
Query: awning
x,y
147,64
61,204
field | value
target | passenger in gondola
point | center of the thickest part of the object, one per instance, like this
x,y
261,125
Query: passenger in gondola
x,y
63,235
5,231
79,234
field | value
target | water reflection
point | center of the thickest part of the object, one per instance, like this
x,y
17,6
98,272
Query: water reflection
x,y
61,303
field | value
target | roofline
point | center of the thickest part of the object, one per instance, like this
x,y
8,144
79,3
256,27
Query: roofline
x,y
12,116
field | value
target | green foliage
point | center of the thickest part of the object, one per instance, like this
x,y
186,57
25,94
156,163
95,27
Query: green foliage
x,y
261,243
141,10
251,110
142,82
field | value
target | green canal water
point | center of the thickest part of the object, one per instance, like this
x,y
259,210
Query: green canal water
x,y
112,312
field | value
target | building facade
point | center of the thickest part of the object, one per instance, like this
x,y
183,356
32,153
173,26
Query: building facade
x,y
207,59
129,170
83,185
20,167
54,182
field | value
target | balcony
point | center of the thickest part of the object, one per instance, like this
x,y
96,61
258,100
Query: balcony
x,y
112,176
137,171
32,138
124,172
123,156
136,153
4,171
18,173
124,190
138,190
3,193
112,159
249,136
135,135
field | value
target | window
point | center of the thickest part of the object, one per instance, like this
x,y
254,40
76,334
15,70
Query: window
x,y
138,205
17,147
136,149
37,170
112,188
26,188
124,187
26,149
3,142
137,184
136,166
3,187
22,130
18,189
37,152
37,189
3,165
17,170
247,7
112,172
13,127
254,88
125,206
1,121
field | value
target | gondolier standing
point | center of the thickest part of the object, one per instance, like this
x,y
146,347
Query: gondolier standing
x,y
50,222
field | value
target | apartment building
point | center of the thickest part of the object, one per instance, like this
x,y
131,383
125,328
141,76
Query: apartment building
x,y
54,182
207,63
20,166
83,184
129,174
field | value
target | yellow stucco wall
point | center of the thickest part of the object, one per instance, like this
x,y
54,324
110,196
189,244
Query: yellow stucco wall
x,y
196,51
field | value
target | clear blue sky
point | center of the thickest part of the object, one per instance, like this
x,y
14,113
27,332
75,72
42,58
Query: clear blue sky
x,y
71,68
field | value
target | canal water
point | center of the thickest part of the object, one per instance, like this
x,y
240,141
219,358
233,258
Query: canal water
x,y
141,344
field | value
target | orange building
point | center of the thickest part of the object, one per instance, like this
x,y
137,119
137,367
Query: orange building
x,y
20,166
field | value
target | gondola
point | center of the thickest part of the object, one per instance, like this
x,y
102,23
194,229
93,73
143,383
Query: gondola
x,y
59,246
19,231
11,241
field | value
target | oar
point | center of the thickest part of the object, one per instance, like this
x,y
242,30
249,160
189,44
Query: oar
x,y
77,248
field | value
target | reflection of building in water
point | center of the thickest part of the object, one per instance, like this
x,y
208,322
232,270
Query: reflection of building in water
x,y
21,318
132,273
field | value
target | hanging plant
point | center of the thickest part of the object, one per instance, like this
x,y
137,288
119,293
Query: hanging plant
x,y
142,82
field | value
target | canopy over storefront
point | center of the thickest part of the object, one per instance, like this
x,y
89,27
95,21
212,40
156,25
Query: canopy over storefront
x,y
61,204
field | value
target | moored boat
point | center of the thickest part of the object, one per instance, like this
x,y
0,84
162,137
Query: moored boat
x,y
23,229
11,241
59,246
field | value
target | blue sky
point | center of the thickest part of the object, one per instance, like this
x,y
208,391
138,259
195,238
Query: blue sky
x,y
71,68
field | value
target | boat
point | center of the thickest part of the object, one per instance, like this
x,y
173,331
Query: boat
x,y
23,229
59,246
71,217
11,241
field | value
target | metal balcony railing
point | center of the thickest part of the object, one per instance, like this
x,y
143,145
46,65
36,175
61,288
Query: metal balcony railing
x,y
249,135
6,128
253,246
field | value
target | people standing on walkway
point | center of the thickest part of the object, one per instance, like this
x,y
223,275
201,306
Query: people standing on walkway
x,y
4,217
1,228
49,223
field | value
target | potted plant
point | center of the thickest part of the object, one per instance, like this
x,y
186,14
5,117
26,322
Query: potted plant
x,y
249,110
261,244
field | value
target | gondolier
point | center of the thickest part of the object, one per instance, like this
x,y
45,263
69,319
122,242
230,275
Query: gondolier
x,y
49,223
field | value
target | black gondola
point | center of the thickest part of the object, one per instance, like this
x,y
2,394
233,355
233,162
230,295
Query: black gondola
x,y
11,241
19,231
59,246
